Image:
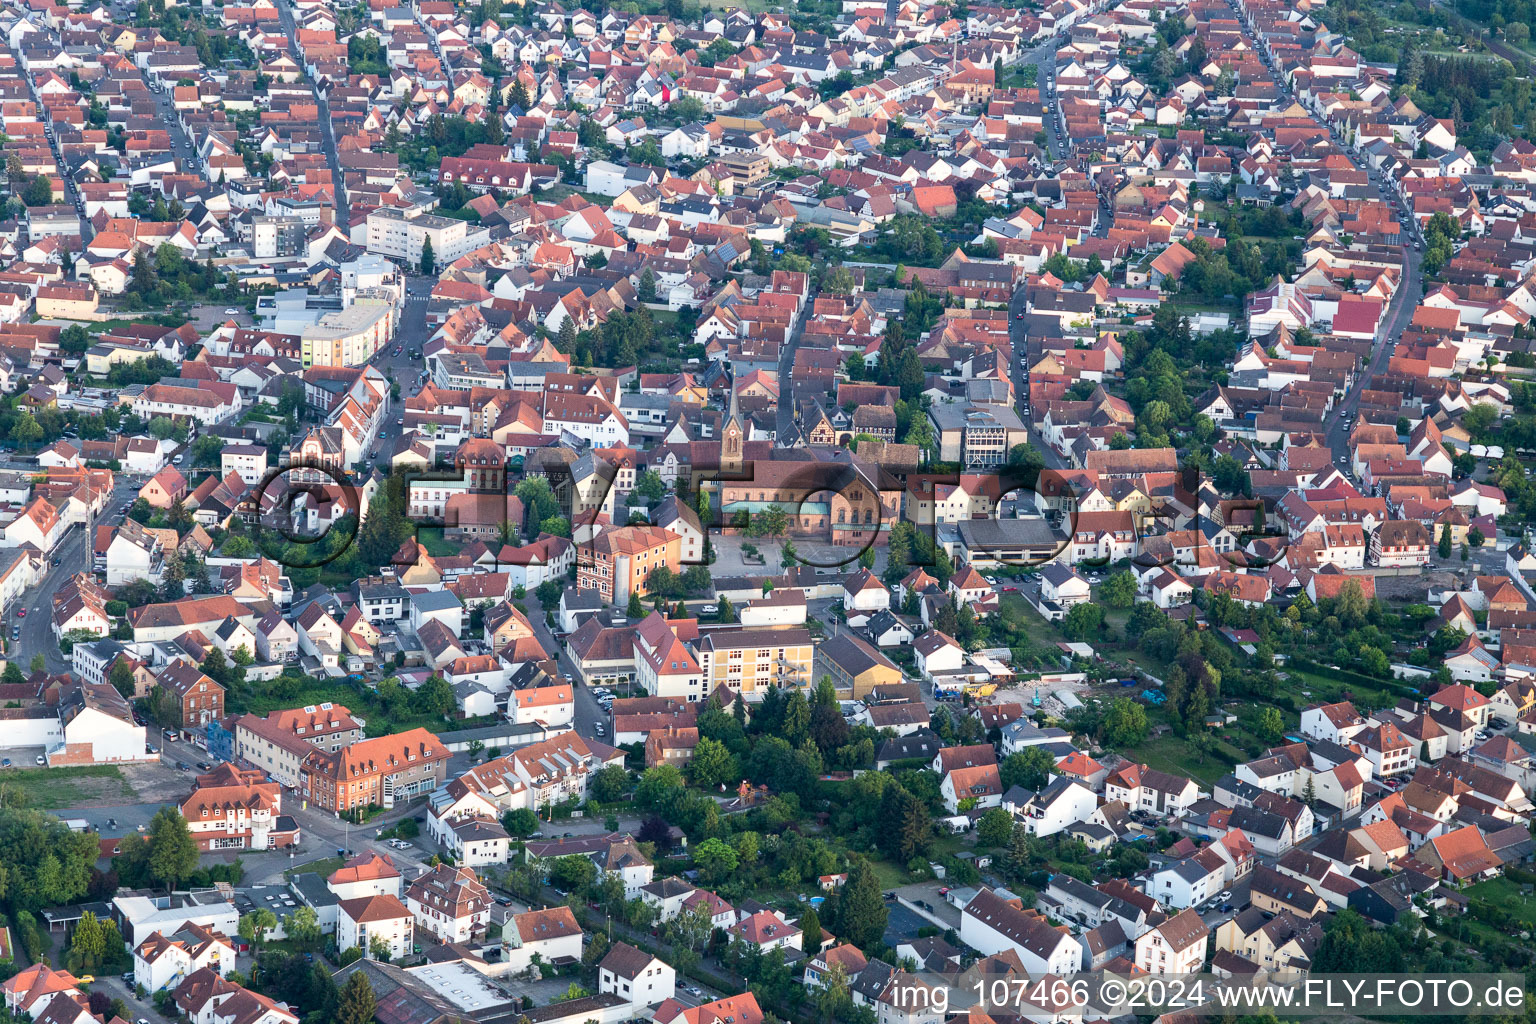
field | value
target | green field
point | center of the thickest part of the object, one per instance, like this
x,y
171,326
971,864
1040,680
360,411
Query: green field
x,y
59,788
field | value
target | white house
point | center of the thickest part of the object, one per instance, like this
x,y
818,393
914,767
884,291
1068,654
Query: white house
x,y
1062,585
864,595
363,921
635,976
450,902
937,652
477,841
1188,882
1063,803
1177,946
975,787
990,924
553,935
160,962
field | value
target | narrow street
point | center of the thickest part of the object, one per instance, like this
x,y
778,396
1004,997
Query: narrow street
x,y
1399,311
290,29
72,555
786,411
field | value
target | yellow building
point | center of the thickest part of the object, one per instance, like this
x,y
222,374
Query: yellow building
x,y
66,302
750,660
348,337
855,666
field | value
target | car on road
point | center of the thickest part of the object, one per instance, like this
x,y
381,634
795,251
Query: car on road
x,y
21,613
182,766
231,311
40,759
1225,895
710,609
5,762
1226,908
204,766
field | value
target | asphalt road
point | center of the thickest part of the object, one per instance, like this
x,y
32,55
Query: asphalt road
x,y
1399,311
73,555
1043,57
290,29
786,411
72,195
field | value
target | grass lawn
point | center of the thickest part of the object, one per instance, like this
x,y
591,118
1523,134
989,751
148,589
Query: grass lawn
x,y
1322,688
892,874
1175,755
322,867
55,788
438,546
1503,892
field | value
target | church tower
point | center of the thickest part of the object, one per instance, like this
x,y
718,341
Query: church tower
x,y
733,437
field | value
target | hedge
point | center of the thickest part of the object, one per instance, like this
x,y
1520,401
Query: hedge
x,y
1345,675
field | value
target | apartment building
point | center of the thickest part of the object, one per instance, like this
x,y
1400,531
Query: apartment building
x,y
618,561
374,772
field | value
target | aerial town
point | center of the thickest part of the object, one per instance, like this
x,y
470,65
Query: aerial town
x,y
674,512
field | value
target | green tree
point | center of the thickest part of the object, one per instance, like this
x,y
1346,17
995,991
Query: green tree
x,y
1084,622
303,927
254,926
88,947
810,931
428,260
172,850
716,859
635,609
1443,549
434,697
1125,723
121,678
1271,726
1029,768
25,429
1119,590
861,910
522,822
609,784
712,764
994,827
356,1004
39,192
649,485
573,873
